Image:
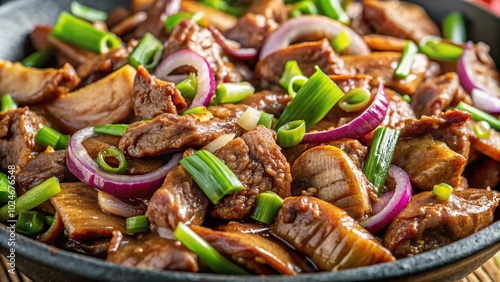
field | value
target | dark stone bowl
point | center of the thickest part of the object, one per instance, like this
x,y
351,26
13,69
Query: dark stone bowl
x,y
42,262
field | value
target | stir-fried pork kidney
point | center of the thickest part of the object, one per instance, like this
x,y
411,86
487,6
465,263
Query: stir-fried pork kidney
x,y
17,138
169,132
427,223
151,252
335,178
257,161
327,234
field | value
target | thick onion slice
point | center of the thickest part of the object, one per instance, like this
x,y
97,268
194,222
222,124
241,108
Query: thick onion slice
x,y
359,126
400,197
127,186
464,68
233,48
205,75
307,26
116,206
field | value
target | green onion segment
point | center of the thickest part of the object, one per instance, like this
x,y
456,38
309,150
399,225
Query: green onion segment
x,y
7,103
442,191
29,222
173,20
380,156
341,41
201,110
188,87
305,7
407,59
482,129
313,101
5,191
295,83
233,92
212,175
73,30
434,48
137,224
291,69
47,136
146,53
32,198
266,207
87,13
111,129
479,115
207,254
39,58
454,27
115,153
266,120
406,98
333,9
355,100
291,134
223,6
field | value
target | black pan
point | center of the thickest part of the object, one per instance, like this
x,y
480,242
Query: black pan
x,y
42,262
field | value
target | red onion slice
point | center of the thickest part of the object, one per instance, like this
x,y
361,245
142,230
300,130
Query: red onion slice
x,y
401,197
233,48
485,101
464,69
359,126
205,75
307,26
127,186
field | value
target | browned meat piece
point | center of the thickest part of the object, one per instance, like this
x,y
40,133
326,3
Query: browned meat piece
x,y
188,35
399,19
18,129
427,223
456,137
39,36
428,162
251,30
260,166
29,85
83,219
268,101
308,55
484,72
358,23
151,252
222,21
253,228
179,199
378,42
348,82
168,132
108,100
398,110
69,53
102,64
95,248
271,9
327,234
258,254
381,66
330,175
435,95
128,24
156,15
153,97
41,168
488,146
483,173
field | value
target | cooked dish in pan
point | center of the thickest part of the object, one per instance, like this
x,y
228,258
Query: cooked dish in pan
x,y
250,137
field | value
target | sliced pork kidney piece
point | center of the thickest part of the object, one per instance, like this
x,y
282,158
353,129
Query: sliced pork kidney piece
x,y
327,234
428,223
335,178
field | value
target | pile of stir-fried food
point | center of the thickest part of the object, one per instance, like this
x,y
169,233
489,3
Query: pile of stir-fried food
x,y
262,137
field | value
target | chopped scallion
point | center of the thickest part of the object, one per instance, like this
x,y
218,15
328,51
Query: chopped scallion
x,y
32,198
407,59
442,191
207,254
224,6
115,153
291,134
137,224
73,30
111,129
249,119
47,136
29,222
266,120
434,48
201,110
341,41
313,101
482,129
267,206
87,13
479,115
406,98
212,175
291,69
188,87
39,58
173,20
7,103
296,82
380,156
355,100
305,7
454,27
5,190
333,9
146,53
233,92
